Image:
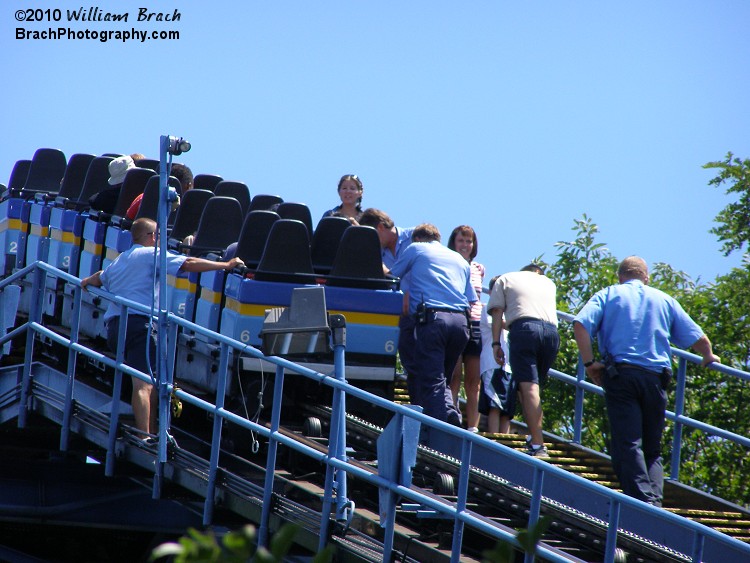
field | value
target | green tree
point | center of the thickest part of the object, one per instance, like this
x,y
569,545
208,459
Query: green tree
x,y
582,268
734,220
238,546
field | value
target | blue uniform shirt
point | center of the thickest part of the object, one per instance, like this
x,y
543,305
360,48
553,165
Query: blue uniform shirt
x,y
635,323
389,259
131,276
403,242
440,277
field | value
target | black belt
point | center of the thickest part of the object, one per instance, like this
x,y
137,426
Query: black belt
x,y
445,310
625,365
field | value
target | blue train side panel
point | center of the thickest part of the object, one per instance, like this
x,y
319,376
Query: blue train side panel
x,y
372,321
10,228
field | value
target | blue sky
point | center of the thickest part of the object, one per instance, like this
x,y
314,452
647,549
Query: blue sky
x,y
513,117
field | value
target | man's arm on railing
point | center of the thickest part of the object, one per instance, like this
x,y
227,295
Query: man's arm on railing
x,y
594,368
93,279
703,347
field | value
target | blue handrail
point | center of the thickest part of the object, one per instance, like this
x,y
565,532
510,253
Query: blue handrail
x,y
541,478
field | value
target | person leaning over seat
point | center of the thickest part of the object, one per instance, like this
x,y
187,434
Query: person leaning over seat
x,y
132,275
441,294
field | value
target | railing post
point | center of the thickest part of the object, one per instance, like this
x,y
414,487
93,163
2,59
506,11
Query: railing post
x,y
336,478
614,524
166,148
114,416
221,391
679,410
278,393
35,315
463,491
580,395
535,506
71,373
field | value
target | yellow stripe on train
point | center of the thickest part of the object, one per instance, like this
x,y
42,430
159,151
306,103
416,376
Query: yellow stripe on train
x,y
354,317
39,230
10,224
92,248
211,296
180,283
64,236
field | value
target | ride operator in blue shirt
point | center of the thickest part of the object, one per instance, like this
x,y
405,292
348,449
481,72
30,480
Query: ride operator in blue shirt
x,y
440,293
635,325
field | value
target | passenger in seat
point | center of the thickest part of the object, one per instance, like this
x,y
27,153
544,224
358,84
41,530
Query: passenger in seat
x,y
350,191
106,200
179,171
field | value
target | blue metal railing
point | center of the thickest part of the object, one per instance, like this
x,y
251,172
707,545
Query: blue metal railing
x,y
539,479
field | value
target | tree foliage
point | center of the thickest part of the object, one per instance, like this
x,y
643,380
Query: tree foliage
x,y
734,220
237,546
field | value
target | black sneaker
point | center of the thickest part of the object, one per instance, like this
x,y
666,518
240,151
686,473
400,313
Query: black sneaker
x,y
150,442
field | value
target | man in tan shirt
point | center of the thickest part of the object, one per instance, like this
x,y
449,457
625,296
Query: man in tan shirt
x,y
527,299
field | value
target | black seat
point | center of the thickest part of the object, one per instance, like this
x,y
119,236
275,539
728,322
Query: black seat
x,y
265,201
150,163
359,261
254,235
97,177
75,176
325,242
237,190
150,202
18,177
46,170
189,213
286,257
206,181
299,211
133,186
219,226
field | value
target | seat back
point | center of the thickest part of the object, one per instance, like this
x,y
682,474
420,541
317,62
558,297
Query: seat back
x,y
237,190
206,181
150,202
359,261
189,213
133,186
18,175
46,170
254,235
286,257
325,242
150,163
265,201
75,176
220,225
298,211
97,176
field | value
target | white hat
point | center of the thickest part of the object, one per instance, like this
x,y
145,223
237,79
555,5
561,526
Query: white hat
x,y
118,168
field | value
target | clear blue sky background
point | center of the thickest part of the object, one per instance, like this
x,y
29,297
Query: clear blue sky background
x,y
513,117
